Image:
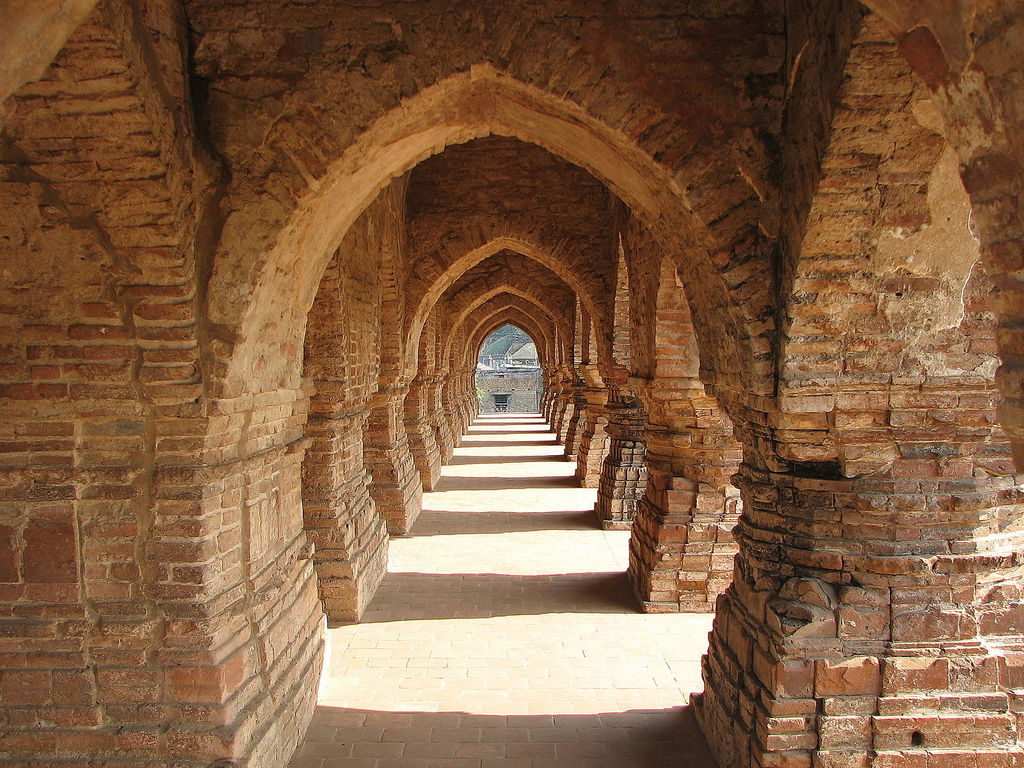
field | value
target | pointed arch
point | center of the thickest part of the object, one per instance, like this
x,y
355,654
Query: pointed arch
x,y
536,314
256,305
550,255
510,315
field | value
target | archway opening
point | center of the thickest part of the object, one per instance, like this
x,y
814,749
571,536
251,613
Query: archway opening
x,y
508,375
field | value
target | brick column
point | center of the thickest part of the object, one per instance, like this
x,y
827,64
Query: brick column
x,y
420,430
230,567
466,400
566,410
594,441
681,550
575,418
547,398
871,622
561,408
450,410
624,472
395,484
340,517
439,418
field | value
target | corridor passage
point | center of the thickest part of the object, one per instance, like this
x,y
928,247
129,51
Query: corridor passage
x,y
504,633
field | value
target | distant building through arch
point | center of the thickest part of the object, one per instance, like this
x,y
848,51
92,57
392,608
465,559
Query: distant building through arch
x,y
508,377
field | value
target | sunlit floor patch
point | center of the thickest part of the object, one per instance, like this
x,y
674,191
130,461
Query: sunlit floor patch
x,y
505,635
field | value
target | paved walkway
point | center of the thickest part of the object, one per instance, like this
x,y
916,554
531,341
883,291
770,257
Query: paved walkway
x,y
504,633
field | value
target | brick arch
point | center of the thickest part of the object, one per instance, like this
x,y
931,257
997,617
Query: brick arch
x,y
547,326
523,292
514,279
258,305
547,330
474,293
474,249
510,316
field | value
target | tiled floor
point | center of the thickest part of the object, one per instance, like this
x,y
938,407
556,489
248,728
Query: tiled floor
x,y
505,634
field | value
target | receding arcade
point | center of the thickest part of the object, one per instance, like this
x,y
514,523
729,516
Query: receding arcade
x,y
768,254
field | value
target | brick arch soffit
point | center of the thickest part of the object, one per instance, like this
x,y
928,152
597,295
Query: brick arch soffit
x,y
547,255
34,35
255,306
508,316
541,320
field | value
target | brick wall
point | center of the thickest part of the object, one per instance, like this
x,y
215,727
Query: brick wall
x,y
522,388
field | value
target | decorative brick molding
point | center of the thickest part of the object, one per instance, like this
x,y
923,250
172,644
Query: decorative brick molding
x,y
863,629
681,551
624,471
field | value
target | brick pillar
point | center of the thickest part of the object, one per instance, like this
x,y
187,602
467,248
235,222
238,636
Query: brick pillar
x,y
472,405
594,440
420,430
439,418
547,398
566,410
624,472
395,484
560,408
575,418
450,410
871,622
229,566
465,411
681,551
340,517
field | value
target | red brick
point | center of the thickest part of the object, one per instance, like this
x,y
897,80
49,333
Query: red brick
x,y
51,548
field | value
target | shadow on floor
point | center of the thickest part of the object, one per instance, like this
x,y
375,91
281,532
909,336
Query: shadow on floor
x,y
412,596
455,461
640,738
447,523
470,442
464,483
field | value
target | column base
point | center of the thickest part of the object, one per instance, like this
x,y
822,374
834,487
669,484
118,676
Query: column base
x,y
395,487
